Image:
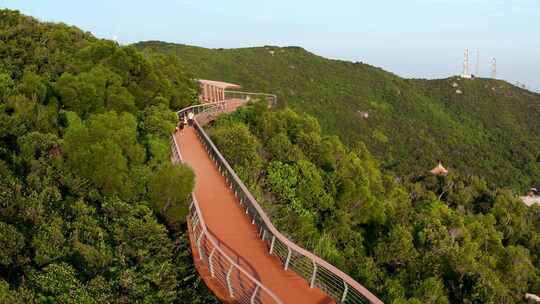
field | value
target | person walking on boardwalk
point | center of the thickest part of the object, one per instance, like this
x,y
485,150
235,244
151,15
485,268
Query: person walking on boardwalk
x,y
183,122
190,118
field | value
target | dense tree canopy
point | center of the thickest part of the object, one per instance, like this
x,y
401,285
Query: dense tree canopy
x,y
91,209
429,239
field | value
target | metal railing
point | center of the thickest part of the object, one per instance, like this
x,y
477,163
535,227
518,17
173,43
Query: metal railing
x,y
231,97
271,99
317,272
212,107
235,280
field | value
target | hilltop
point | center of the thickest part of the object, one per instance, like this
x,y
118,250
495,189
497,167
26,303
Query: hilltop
x,y
478,127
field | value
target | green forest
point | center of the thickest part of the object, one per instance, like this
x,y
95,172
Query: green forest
x,y
429,239
480,127
86,211
87,214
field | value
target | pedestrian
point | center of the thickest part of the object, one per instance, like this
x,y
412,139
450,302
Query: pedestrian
x,y
181,124
190,118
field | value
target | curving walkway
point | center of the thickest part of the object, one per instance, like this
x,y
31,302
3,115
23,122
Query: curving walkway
x,y
227,221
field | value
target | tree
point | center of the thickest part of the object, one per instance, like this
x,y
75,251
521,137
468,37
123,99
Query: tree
x,y
311,188
94,91
280,148
159,121
103,150
49,242
36,145
169,189
241,149
146,251
17,296
58,283
32,87
397,250
11,243
6,85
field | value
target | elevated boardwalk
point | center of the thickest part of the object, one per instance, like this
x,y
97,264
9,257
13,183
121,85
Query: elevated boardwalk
x,y
228,222
238,252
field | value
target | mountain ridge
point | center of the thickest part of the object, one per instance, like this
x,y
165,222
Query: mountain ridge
x,y
480,127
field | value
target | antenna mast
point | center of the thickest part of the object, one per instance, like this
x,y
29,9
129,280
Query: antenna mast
x,y
494,68
466,63
477,72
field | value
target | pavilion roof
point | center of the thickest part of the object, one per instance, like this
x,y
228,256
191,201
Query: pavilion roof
x,y
219,84
530,200
439,170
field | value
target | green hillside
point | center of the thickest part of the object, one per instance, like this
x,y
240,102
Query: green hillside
x,y
490,129
436,240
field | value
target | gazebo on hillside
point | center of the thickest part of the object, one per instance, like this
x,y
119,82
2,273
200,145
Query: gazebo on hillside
x,y
212,91
439,170
531,198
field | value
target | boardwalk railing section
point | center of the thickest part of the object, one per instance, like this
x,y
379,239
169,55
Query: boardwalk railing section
x,y
317,272
271,99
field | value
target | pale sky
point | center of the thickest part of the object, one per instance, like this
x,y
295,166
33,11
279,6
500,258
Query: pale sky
x,y
413,38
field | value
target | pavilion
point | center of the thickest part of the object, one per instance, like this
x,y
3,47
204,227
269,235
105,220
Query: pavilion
x,y
531,198
213,91
439,170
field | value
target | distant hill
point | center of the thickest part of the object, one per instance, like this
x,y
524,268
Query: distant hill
x,y
482,127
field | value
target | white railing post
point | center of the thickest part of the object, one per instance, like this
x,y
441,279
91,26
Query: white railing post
x,y
228,279
288,257
195,221
210,263
272,244
344,296
199,239
313,276
254,295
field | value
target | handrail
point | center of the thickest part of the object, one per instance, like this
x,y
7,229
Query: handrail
x,y
316,271
206,242
271,98
200,108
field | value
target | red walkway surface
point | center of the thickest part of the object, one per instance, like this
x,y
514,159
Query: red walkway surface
x,y
229,224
